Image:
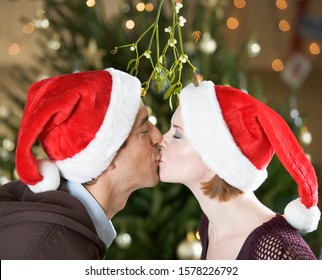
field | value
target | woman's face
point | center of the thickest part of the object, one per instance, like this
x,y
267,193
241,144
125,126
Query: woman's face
x,y
180,162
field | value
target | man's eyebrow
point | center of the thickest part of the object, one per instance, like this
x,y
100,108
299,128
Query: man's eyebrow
x,y
143,121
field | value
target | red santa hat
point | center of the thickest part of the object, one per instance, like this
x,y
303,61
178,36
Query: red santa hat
x,y
237,135
81,121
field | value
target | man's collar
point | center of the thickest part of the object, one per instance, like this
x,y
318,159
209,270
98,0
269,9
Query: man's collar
x,y
103,225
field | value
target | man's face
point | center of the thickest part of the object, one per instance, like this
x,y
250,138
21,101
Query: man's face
x,y
139,159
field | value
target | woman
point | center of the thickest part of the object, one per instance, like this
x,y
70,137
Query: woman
x,y
219,145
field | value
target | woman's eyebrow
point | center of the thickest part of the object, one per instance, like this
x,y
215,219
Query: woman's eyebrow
x,y
178,126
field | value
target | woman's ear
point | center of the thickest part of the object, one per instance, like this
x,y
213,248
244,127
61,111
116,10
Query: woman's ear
x,y
210,174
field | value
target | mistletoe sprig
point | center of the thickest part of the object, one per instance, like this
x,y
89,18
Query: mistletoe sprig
x,y
163,75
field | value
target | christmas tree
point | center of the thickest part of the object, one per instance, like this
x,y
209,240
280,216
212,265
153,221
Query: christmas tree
x,y
158,223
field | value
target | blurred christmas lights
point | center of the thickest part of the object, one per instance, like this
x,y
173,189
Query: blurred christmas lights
x,y
14,49
277,65
130,24
305,135
149,7
232,23
284,25
281,4
140,6
40,21
239,4
90,3
28,28
314,48
253,49
207,44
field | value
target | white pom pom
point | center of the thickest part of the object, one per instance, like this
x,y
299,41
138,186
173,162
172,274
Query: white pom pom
x,y
302,218
51,177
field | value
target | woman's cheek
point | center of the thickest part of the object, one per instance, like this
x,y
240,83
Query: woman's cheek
x,y
181,163
178,152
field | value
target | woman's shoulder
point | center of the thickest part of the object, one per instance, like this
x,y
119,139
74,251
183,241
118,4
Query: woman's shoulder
x,y
276,240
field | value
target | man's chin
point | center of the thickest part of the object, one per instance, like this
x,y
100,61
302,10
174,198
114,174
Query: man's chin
x,y
155,181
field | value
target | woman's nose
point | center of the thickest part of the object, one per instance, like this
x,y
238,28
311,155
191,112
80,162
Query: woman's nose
x,y
163,142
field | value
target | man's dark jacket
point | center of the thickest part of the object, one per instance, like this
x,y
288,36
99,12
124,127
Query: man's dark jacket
x,y
47,225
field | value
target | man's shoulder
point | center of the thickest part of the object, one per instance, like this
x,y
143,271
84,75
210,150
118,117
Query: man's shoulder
x,y
12,190
47,240
42,223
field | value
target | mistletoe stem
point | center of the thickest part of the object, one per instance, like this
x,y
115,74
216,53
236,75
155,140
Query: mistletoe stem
x,y
175,19
156,29
144,33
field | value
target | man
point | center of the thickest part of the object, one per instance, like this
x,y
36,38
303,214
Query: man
x,y
101,147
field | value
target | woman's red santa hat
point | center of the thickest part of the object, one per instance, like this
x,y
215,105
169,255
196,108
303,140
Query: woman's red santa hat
x,y
81,121
237,135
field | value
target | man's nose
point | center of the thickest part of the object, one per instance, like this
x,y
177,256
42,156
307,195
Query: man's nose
x,y
155,135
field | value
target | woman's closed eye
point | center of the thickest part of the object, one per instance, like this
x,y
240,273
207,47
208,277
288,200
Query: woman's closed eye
x,y
177,135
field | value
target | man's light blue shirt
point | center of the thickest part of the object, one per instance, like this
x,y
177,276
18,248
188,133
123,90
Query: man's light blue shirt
x,y
103,225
